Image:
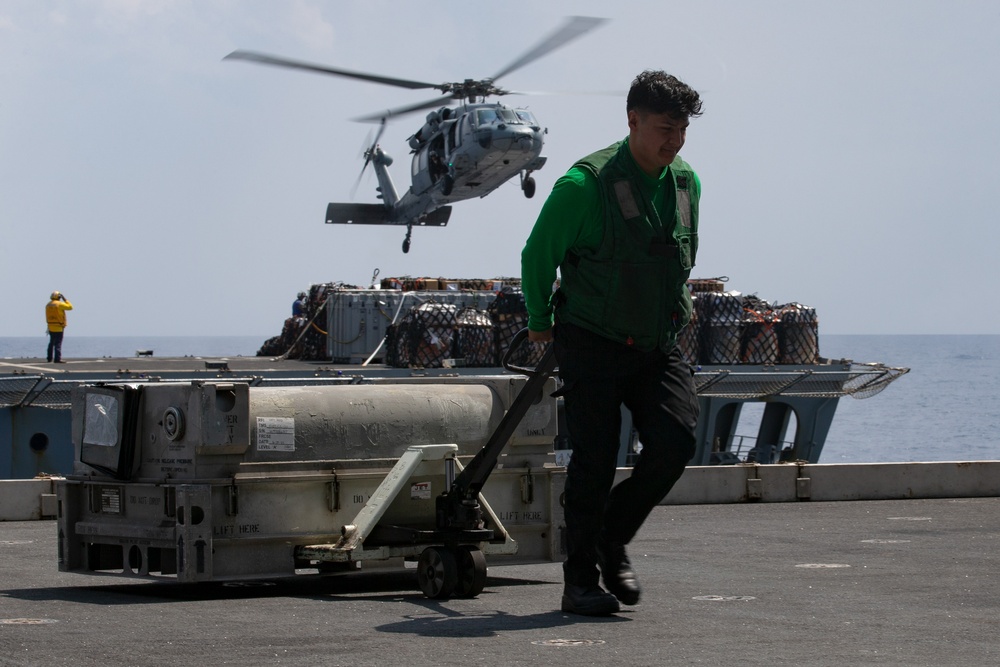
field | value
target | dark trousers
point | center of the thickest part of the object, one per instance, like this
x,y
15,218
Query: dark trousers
x,y
54,352
599,376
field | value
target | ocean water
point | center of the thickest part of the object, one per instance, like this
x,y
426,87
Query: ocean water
x,y
944,409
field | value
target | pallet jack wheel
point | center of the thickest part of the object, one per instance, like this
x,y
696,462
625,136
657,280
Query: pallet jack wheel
x,y
437,572
471,571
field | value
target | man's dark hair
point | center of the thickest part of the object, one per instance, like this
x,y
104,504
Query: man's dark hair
x,y
659,92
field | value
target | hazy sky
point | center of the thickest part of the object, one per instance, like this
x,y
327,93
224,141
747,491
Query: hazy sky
x,y
848,151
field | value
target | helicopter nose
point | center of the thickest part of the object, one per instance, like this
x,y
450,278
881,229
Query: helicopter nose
x,y
527,137
515,138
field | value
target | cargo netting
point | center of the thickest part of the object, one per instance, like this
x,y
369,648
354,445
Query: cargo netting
x,y
759,342
731,328
726,328
687,341
303,337
432,335
798,334
424,338
509,315
720,319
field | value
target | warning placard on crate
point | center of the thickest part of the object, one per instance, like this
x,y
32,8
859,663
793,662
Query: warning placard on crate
x,y
276,434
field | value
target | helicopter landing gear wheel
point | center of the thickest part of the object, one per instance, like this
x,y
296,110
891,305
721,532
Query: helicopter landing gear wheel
x,y
471,571
437,572
447,185
528,185
406,241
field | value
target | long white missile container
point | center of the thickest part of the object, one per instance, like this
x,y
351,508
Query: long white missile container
x,y
215,481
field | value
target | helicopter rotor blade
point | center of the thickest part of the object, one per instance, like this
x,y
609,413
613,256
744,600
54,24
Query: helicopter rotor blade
x,y
570,93
366,155
365,144
265,59
574,26
399,111
357,183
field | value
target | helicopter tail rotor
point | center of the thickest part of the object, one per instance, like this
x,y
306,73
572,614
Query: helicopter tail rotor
x,y
369,154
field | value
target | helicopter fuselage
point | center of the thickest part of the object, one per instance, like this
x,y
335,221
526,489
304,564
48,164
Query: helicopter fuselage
x,y
458,154
461,154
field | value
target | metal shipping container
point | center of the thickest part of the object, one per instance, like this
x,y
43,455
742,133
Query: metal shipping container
x,y
357,320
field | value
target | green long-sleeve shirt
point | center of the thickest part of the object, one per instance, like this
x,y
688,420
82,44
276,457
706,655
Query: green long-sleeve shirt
x,y
572,219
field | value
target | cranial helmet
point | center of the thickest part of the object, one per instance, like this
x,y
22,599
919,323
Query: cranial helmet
x,y
55,295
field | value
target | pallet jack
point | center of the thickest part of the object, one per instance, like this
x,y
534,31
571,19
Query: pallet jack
x,y
451,561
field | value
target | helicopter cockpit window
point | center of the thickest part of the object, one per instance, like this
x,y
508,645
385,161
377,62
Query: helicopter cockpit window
x,y
501,115
526,117
486,117
508,116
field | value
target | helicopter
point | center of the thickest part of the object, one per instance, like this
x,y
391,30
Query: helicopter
x,y
460,152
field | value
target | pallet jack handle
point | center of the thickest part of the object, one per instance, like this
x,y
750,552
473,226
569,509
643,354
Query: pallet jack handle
x,y
459,508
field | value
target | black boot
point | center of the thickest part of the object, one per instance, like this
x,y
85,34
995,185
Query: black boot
x,y
588,601
617,573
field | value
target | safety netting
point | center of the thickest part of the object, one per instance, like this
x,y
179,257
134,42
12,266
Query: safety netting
x,y
825,379
14,390
36,390
870,379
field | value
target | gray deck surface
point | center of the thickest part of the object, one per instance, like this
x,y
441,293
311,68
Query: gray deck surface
x,y
905,582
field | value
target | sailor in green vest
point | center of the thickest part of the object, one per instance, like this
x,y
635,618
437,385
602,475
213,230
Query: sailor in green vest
x,y
622,227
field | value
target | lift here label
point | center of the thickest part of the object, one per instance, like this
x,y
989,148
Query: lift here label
x,y
275,434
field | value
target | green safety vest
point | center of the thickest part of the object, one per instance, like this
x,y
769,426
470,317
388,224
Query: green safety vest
x,y
632,289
